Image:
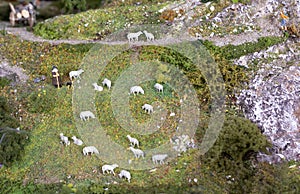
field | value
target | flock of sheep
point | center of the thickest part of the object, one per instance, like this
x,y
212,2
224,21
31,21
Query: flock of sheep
x,y
110,168
85,115
135,36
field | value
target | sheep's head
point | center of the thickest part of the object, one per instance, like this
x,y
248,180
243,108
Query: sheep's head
x,y
145,31
94,84
61,134
120,175
130,148
128,136
74,137
142,91
81,70
115,165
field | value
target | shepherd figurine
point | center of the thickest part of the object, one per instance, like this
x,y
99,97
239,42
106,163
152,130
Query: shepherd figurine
x,y
283,20
56,81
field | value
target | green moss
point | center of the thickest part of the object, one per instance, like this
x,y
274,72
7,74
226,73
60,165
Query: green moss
x,y
93,24
233,52
4,82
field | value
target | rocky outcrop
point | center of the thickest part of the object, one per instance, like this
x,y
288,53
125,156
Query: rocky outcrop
x,y
13,73
273,104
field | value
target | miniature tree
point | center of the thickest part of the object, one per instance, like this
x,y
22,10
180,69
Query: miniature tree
x,y
12,144
237,142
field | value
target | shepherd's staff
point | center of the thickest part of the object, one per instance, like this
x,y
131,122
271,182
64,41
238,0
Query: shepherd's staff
x,y
56,74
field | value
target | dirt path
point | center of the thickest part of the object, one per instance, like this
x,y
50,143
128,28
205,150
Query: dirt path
x,y
219,41
26,35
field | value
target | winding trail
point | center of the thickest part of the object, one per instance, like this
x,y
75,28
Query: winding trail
x,y
219,41
26,35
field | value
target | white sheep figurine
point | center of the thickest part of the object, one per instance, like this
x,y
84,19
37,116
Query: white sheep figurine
x,y
109,168
149,36
84,115
136,90
134,36
159,87
159,158
137,152
77,141
64,139
106,82
126,174
90,149
75,74
133,141
148,108
98,88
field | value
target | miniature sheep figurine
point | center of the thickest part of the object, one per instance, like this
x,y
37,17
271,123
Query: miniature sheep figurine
x,y
98,88
75,74
149,36
106,82
109,168
160,158
84,115
148,108
64,139
137,152
136,89
77,141
133,141
89,149
134,36
159,87
126,174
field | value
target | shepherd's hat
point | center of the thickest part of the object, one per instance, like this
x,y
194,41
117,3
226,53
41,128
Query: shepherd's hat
x,y
54,69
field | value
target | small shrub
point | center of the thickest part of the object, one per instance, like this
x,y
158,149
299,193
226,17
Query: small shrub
x,y
234,150
6,120
168,15
294,30
238,140
11,145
